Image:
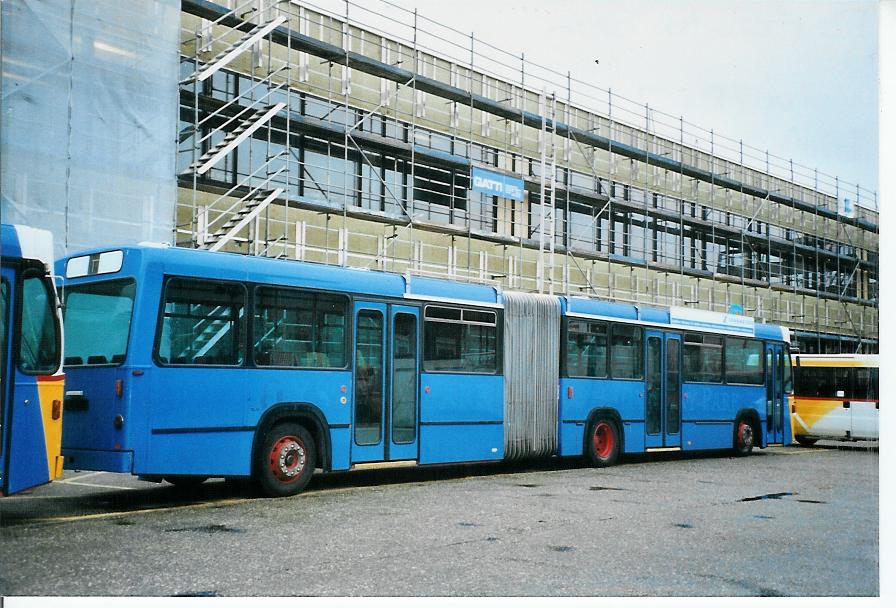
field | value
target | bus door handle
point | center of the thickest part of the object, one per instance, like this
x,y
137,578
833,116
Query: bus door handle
x,y
75,402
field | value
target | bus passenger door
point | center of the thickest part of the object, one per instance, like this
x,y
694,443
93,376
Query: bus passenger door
x,y
672,377
863,404
30,426
6,371
370,381
387,341
663,390
774,394
403,384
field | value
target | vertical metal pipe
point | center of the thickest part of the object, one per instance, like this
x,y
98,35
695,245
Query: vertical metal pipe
x,y
553,205
541,188
349,122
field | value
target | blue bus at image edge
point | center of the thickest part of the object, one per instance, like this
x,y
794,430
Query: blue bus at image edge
x,y
31,379
185,364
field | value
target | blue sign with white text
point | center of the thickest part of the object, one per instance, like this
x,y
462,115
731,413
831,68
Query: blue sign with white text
x,y
497,184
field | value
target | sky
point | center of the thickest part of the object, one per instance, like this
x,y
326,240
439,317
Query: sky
x,y
796,77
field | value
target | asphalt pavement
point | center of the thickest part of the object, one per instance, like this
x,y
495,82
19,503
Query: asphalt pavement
x,y
786,521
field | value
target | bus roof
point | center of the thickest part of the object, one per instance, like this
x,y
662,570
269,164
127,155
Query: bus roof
x,y
235,266
676,318
25,242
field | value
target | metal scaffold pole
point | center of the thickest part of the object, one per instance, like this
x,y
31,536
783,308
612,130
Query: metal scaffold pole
x,y
541,192
552,207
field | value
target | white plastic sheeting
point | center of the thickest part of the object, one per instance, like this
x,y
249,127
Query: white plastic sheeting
x,y
89,118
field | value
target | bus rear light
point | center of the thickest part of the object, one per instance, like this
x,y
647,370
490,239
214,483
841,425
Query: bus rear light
x,y
137,372
57,409
569,392
119,387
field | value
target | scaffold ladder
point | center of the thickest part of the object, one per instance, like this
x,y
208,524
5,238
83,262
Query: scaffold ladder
x,y
254,205
245,128
236,49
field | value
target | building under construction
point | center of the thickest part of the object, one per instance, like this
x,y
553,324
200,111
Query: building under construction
x,y
374,138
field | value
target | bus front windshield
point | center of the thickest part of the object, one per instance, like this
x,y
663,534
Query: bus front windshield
x,y
98,322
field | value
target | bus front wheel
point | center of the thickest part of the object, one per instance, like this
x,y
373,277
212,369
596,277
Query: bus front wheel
x,y
744,437
286,460
603,443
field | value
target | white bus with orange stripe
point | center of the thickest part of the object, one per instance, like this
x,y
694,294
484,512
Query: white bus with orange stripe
x,y
835,397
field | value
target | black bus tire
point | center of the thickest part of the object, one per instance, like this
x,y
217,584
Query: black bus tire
x,y
285,461
602,443
744,437
805,441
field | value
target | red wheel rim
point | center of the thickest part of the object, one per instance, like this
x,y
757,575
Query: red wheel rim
x,y
604,440
287,459
744,435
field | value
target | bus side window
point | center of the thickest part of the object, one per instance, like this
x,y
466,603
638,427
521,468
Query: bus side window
x,y
461,340
744,361
203,323
866,382
586,349
626,352
297,328
38,347
702,358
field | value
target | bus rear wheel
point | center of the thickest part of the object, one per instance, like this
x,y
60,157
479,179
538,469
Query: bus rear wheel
x,y
744,437
805,441
285,462
603,442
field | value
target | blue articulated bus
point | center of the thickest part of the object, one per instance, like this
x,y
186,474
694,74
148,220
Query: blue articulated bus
x,y
186,364
31,380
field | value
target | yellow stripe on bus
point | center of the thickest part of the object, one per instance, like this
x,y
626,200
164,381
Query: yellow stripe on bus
x,y
810,411
48,391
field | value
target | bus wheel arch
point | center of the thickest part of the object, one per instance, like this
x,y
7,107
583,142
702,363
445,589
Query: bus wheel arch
x,y
747,432
604,438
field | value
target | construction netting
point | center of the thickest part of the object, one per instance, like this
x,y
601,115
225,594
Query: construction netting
x,y
89,118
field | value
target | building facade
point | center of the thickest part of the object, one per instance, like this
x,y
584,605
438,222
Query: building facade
x,y
319,137
354,147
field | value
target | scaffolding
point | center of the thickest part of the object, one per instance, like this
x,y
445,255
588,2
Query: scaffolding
x,y
341,76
